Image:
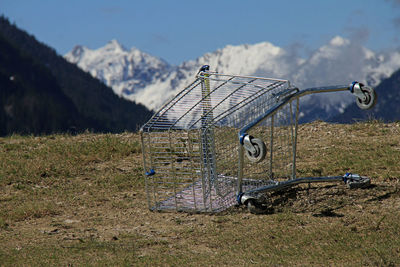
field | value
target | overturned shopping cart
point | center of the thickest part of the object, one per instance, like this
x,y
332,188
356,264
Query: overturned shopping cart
x,y
228,139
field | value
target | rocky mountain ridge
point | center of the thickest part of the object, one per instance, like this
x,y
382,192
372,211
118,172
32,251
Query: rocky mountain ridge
x,y
149,80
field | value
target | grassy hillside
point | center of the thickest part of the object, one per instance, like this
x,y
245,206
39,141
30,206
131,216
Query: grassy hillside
x,y
79,200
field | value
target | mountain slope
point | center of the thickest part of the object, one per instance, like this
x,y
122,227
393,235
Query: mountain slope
x,y
340,61
98,107
32,100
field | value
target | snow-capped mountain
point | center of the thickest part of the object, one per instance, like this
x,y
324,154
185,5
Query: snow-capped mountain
x,y
262,58
151,81
123,70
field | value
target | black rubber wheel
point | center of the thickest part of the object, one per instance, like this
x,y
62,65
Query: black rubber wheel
x,y
371,98
256,208
261,151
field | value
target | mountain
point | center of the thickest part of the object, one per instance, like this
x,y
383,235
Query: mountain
x,y
31,98
42,93
118,67
340,61
386,109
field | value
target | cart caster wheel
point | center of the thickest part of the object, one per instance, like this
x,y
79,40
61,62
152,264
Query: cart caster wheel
x,y
362,182
256,208
261,151
371,98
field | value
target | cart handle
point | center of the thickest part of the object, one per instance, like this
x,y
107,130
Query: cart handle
x,y
361,92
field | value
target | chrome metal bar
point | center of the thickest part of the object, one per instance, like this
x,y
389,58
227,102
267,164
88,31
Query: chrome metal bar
x,y
221,101
282,185
193,172
173,171
296,123
195,105
164,109
301,93
155,191
242,76
240,169
247,101
203,170
271,149
145,168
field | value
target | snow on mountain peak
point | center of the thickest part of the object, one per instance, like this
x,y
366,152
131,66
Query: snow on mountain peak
x,y
118,67
151,81
114,46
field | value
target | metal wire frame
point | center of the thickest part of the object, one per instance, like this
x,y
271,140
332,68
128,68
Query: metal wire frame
x,y
279,132
194,147
190,142
245,194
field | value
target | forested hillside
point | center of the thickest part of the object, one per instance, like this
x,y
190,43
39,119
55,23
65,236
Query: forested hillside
x,y
42,93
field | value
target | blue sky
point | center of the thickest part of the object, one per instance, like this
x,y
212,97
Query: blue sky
x,y
179,30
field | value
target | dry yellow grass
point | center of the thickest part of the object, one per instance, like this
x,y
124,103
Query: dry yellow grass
x,y
80,200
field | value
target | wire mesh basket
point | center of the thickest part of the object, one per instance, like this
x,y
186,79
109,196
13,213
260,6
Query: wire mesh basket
x,y
224,139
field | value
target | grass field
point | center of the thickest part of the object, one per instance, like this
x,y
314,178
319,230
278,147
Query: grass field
x,y
80,200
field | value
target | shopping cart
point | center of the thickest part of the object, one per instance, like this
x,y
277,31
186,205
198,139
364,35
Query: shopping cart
x,y
229,139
